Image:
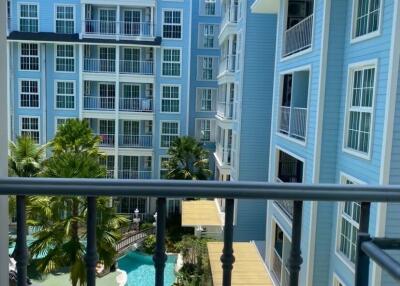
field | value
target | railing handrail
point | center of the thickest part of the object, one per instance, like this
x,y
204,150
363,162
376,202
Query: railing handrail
x,y
300,23
204,189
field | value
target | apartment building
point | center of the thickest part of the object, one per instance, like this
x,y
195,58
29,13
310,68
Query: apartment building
x,y
140,72
334,114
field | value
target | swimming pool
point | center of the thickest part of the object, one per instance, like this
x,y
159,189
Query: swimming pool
x,y
140,269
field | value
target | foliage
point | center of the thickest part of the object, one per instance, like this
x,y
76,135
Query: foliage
x,y
196,267
59,223
146,225
149,244
175,232
189,160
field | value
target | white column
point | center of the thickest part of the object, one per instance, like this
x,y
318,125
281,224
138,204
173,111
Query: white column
x,y
83,18
118,23
82,84
152,21
3,148
117,84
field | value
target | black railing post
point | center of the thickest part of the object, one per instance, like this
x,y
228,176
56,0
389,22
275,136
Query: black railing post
x,y
295,260
364,217
160,257
91,248
227,257
21,247
362,261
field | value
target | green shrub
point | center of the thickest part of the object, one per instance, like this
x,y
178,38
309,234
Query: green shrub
x,y
149,244
146,225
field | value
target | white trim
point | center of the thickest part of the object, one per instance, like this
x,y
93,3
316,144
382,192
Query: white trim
x,y
159,163
336,279
56,5
179,86
284,216
171,62
215,61
169,134
56,57
198,108
56,93
367,36
212,130
19,93
56,118
297,157
20,117
200,33
202,5
163,10
19,13
349,95
20,56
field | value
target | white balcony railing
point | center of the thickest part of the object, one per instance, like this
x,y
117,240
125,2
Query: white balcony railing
x,y
298,37
107,140
135,141
136,67
98,102
99,65
122,28
225,110
293,121
136,104
132,174
223,154
110,174
231,15
227,64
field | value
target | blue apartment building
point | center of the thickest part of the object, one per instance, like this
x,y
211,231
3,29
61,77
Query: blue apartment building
x,y
334,114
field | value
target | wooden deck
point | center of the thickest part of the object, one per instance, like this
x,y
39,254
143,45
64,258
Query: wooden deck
x,y
200,213
248,268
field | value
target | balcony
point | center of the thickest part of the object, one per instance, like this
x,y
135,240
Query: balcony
x,y
134,175
293,122
94,65
223,155
136,104
122,29
99,102
230,15
227,64
135,141
136,67
225,110
107,140
298,37
368,249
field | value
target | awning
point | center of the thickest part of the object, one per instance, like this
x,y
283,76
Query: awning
x,y
248,268
200,213
265,6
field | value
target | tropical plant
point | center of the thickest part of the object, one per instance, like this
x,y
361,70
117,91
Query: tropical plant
x,y
149,244
188,161
59,221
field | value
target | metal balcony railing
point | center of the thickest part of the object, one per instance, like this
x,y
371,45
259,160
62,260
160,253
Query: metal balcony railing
x,y
135,141
107,140
227,64
110,174
134,175
122,28
298,37
136,67
293,121
98,102
223,154
230,15
136,104
225,109
98,65
367,248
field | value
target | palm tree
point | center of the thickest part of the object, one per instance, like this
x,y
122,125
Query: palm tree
x,y
189,160
59,222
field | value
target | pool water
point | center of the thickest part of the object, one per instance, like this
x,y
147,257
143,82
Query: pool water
x,y
140,269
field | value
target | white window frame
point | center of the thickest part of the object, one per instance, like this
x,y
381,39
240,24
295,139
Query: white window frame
x,y
202,8
20,92
204,35
171,62
340,207
56,124
20,56
168,134
353,37
170,99
350,80
199,122
337,281
172,24
21,117
56,57
214,64
64,20
19,14
56,94
200,92
160,164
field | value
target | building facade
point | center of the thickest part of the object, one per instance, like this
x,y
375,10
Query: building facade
x,y
334,114
140,72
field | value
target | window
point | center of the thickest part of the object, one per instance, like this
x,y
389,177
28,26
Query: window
x,y
60,121
30,127
206,99
172,25
336,282
29,18
171,62
65,94
170,99
65,61
208,36
204,130
360,109
163,166
29,57
65,19
206,68
174,206
367,17
29,93
349,220
169,132
209,7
